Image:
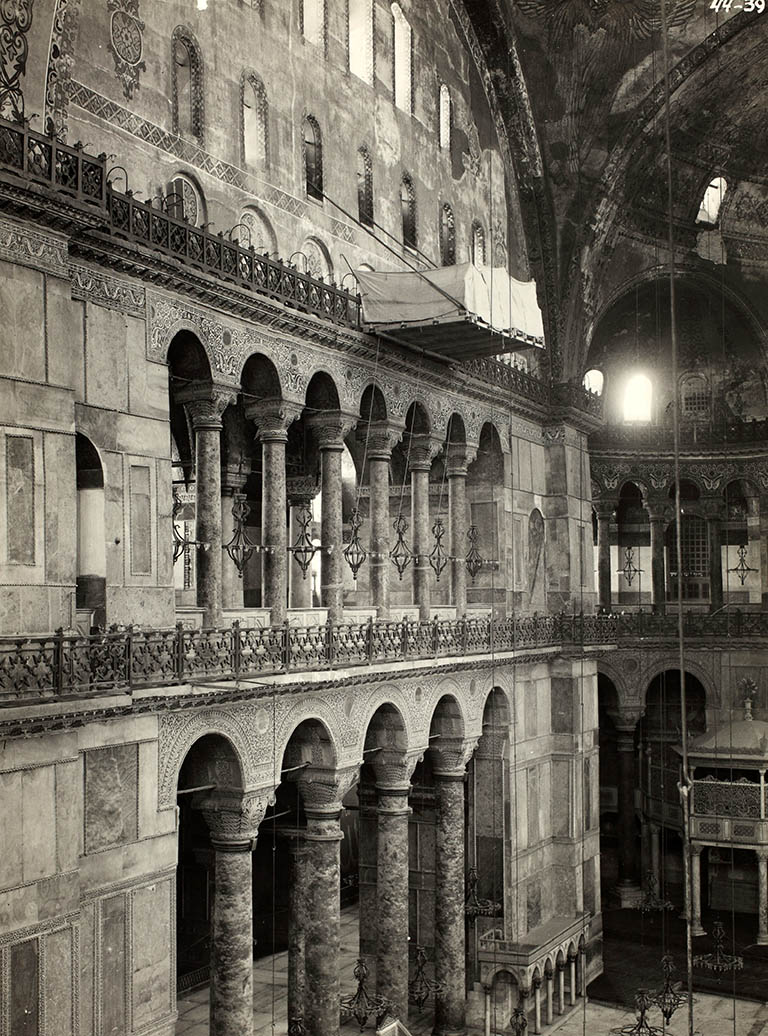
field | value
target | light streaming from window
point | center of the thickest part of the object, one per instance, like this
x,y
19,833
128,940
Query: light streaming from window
x,y
445,117
593,382
402,60
361,39
638,396
709,209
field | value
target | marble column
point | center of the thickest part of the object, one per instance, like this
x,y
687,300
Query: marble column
x,y
550,980
422,451
330,428
487,991
232,484
625,745
561,966
273,418
537,1005
571,979
459,456
301,490
715,564
449,767
321,946
296,930
604,574
381,440
658,579
762,896
392,896
654,832
696,926
233,828
205,405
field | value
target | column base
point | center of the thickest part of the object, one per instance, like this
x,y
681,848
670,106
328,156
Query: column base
x,y
630,894
762,939
697,930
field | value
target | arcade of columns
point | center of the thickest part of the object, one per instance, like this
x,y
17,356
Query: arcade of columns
x,y
205,406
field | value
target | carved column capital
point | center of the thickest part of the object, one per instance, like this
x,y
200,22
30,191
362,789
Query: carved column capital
x,y
458,457
233,820
323,788
272,418
393,769
422,450
625,719
381,438
330,427
232,480
301,489
205,403
450,756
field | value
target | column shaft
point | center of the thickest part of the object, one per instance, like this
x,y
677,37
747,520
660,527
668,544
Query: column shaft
x,y
273,524
715,566
421,542
696,926
537,1007
561,989
296,934
762,895
231,581
208,494
321,948
331,536
392,898
604,561
627,847
655,838
550,999
300,588
658,581
449,906
231,1003
571,982
457,504
378,478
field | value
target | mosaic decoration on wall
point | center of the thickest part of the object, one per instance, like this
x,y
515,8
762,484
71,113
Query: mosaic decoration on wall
x,y
15,20
125,42
60,62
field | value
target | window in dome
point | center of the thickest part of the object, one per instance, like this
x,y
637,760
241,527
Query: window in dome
x,y
402,60
364,187
593,382
254,128
313,21
447,236
638,396
478,244
695,396
408,211
184,200
313,158
445,117
187,84
256,232
709,210
360,29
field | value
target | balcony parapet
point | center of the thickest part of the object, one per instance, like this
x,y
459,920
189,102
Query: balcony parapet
x,y
696,435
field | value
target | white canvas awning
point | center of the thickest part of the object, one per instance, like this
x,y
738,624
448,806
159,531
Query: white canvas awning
x,y
457,311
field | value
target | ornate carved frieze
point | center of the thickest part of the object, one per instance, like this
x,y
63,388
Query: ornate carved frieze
x,y
15,22
93,285
36,248
126,43
60,62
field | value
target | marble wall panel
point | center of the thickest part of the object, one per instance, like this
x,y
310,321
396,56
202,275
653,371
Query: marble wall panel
x,y
562,705
111,796
60,509
113,977
21,303
106,369
533,903
25,404
539,482
142,606
23,1008
523,476
57,989
69,814
152,979
65,337
10,830
147,382
532,797
561,798
531,709
87,965
38,806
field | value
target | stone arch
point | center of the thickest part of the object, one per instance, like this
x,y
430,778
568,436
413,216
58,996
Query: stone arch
x,y
447,720
670,661
312,710
394,698
319,263
212,759
260,379
638,482
373,403
617,678
310,741
323,391
418,417
497,706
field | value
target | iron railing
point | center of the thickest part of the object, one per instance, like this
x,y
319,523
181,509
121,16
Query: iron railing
x,y
47,161
212,253
691,433
728,623
61,665
504,376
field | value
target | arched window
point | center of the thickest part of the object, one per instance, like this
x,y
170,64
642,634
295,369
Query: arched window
x,y
447,236
638,397
695,396
593,382
360,36
313,21
408,211
313,158
445,117
187,84
254,120
364,187
402,60
709,209
256,232
478,244
184,200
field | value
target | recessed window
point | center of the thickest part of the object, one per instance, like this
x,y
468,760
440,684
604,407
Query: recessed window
x,y
709,210
695,396
254,120
364,187
255,231
313,21
187,84
478,244
445,118
408,211
593,382
638,397
447,236
361,39
313,158
183,200
402,60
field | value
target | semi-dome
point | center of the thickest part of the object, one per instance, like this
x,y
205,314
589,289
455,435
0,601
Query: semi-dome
x,y
746,738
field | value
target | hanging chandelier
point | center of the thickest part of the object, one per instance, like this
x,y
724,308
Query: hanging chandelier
x,y
296,1027
629,569
518,1023
652,902
438,559
473,560
669,997
473,905
643,1004
401,554
240,548
421,988
182,543
354,552
304,549
361,1005
718,960
742,569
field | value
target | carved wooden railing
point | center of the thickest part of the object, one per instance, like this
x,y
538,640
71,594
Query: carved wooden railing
x,y
47,161
63,665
